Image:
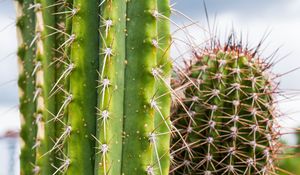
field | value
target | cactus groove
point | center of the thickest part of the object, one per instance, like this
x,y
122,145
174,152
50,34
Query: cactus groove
x,y
230,95
101,72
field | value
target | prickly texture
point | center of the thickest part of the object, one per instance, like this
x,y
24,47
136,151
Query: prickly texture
x,y
111,87
126,131
45,78
83,92
102,76
163,95
231,124
60,59
26,82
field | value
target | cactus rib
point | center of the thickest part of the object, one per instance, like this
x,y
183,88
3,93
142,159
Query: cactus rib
x,y
230,95
45,79
26,82
83,92
163,97
139,87
111,87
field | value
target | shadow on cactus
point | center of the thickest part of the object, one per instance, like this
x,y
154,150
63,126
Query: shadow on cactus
x,y
231,127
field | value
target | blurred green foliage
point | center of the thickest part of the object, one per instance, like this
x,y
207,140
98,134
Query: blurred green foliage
x,y
291,160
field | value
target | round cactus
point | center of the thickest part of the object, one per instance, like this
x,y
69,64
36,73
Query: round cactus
x,y
231,125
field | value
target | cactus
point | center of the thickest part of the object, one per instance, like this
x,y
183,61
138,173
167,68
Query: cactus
x,y
231,125
26,55
96,95
100,79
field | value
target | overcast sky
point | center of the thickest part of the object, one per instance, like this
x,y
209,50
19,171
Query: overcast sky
x,y
253,18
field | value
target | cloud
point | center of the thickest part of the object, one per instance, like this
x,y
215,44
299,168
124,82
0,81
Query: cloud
x,y
243,8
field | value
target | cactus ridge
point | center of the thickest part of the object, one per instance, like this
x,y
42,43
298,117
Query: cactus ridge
x,y
26,82
230,94
90,88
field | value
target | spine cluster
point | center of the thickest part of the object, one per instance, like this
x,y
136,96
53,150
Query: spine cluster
x,y
97,89
231,125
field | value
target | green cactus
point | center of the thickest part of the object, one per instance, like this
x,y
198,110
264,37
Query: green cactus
x,y
26,54
101,71
96,95
231,124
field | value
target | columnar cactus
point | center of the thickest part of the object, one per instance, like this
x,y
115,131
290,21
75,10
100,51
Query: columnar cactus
x,y
231,125
95,95
99,87
26,54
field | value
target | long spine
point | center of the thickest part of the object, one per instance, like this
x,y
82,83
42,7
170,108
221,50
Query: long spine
x,y
162,98
45,78
111,87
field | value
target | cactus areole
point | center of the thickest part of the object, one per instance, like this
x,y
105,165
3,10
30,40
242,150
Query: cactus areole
x,y
95,95
231,125
90,98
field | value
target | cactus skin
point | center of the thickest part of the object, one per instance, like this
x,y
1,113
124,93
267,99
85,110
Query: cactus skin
x,y
233,127
83,92
45,79
163,96
26,55
111,87
139,87
61,57
74,137
126,63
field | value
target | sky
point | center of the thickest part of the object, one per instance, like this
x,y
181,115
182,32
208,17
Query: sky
x,y
252,18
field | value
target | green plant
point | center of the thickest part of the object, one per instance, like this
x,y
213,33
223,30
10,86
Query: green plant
x,y
231,125
96,95
289,163
26,54
97,86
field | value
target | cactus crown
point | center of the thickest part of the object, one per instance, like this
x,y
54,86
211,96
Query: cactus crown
x,y
231,126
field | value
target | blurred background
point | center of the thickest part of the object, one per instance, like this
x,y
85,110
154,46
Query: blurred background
x,y
253,19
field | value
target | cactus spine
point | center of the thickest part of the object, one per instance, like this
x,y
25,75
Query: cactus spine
x,y
163,96
230,95
111,87
26,55
113,126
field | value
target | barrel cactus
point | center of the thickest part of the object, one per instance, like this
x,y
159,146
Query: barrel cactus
x,y
94,86
231,125
95,95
